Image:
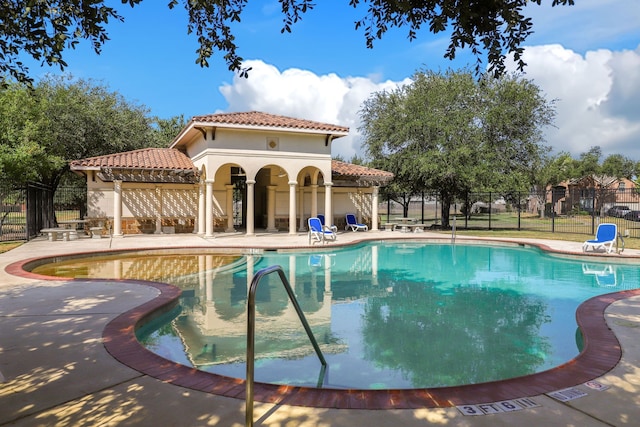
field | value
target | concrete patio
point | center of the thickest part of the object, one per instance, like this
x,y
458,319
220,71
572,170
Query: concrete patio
x,y
55,370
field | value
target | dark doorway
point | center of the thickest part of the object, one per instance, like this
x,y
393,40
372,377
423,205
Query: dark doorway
x,y
239,181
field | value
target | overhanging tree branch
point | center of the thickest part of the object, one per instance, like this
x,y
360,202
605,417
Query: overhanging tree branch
x,y
44,30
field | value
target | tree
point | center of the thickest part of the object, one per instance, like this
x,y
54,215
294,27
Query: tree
x,y
619,166
615,165
550,172
357,160
61,119
385,134
165,130
451,133
589,163
43,30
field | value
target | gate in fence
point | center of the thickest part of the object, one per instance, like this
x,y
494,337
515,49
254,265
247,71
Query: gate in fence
x,y
25,210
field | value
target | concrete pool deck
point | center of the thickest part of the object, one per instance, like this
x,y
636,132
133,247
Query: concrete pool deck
x,y
55,369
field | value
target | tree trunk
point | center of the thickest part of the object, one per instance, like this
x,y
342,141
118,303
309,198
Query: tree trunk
x,y
50,214
540,207
447,199
404,201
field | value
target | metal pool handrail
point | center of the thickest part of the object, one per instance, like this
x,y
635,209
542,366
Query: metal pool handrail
x,y
251,329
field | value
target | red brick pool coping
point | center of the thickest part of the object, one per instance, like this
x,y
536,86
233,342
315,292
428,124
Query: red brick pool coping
x,y
601,353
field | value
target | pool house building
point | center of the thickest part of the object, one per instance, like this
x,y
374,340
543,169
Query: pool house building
x,y
230,172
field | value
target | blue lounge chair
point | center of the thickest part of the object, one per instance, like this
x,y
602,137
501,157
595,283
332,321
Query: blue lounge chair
x,y
352,224
606,236
331,227
319,232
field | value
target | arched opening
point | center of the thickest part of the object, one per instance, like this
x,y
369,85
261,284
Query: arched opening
x,y
229,207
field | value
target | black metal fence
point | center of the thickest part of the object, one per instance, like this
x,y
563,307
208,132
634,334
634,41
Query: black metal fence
x,y
561,210
13,224
24,211
28,209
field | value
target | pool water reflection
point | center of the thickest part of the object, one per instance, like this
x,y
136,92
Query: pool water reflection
x,y
386,315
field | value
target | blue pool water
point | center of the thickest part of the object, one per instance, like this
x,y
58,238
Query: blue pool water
x,y
386,314
395,315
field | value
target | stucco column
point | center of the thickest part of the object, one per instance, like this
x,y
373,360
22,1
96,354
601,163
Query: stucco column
x,y
292,207
374,208
271,208
229,209
328,208
250,207
314,200
117,208
301,225
158,211
201,209
208,207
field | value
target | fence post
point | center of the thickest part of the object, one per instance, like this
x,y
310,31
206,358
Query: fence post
x,y
519,210
489,210
593,210
553,211
27,218
466,210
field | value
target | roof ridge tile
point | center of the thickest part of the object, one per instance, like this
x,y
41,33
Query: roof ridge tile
x,y
258,118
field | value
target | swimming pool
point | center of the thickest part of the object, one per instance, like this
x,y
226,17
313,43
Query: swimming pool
x,y
423,315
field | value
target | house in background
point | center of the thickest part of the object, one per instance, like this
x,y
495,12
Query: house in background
x,y
593,193
225,172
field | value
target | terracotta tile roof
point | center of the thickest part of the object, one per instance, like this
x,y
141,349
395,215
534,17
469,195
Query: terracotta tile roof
x,y
259,119
171,159
146,158
343,169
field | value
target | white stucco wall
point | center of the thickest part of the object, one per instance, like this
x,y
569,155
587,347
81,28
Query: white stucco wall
x,y
253,151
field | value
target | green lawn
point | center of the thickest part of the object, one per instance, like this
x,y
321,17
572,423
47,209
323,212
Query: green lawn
x,y
7,246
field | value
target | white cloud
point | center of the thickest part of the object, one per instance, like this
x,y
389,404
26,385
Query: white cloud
x,y
299,93
598,98
624,97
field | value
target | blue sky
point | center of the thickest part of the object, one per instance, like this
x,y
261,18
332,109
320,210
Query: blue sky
x,y
587,57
